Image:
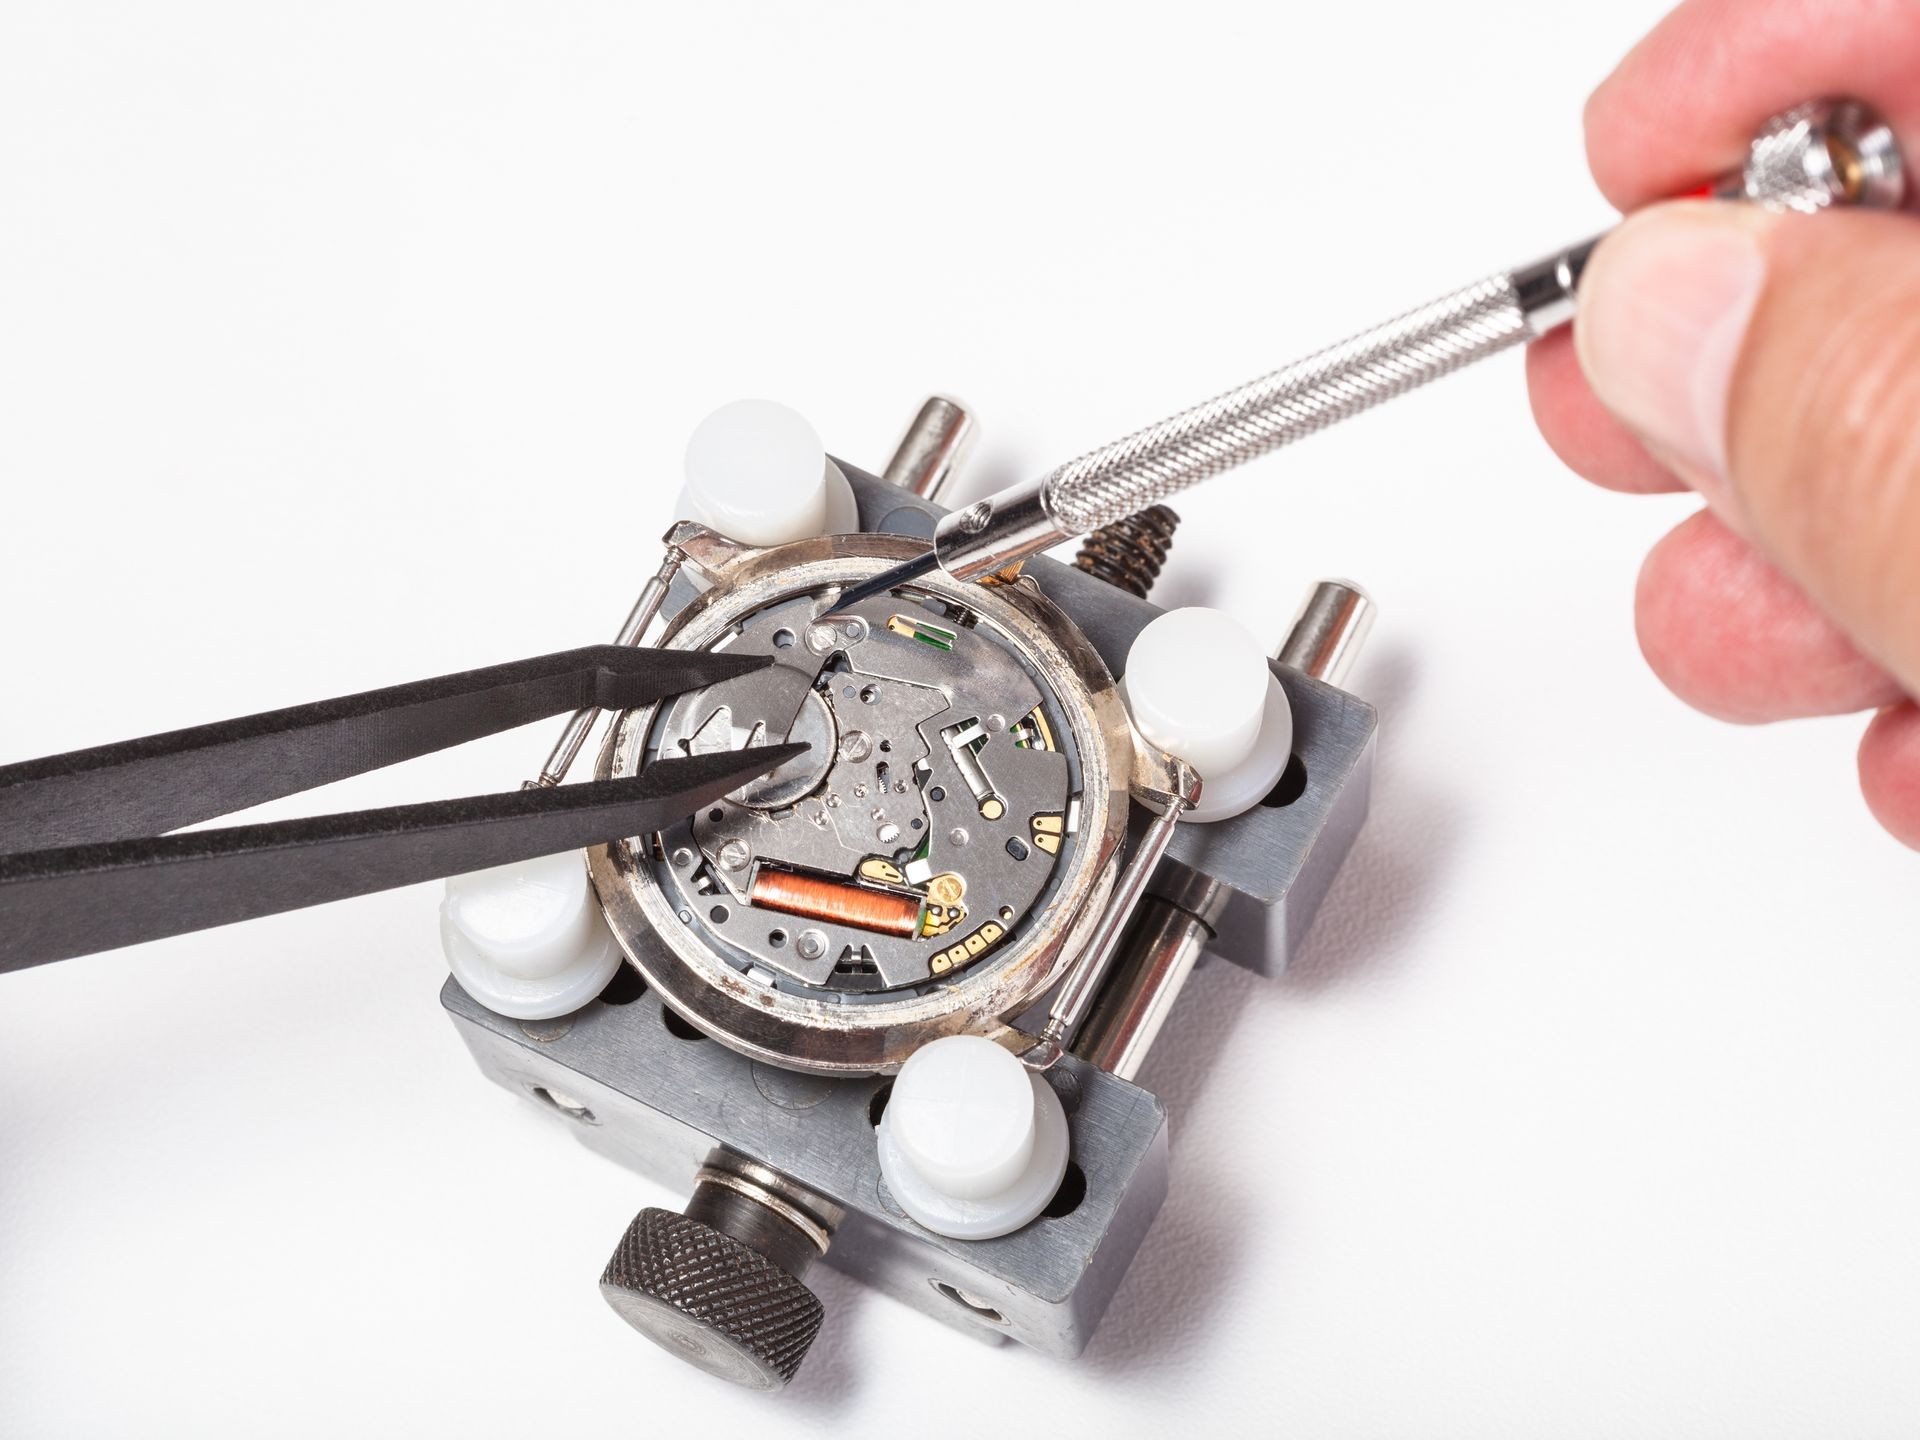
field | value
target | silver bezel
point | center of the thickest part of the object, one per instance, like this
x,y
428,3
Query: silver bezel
x,y
795,1031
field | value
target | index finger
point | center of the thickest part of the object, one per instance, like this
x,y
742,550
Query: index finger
x,y
1682,107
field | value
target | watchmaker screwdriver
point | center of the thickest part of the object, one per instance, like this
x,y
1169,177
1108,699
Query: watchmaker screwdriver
x,y
1818,155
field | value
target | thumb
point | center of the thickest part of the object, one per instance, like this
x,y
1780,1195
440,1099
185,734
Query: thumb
x,y
1774,363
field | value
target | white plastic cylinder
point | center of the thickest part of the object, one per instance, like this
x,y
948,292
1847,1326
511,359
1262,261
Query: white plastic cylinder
x,y
757,473
528,940
972,1143
1199,687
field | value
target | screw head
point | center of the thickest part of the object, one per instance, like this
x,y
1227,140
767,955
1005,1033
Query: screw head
x,y
714,1301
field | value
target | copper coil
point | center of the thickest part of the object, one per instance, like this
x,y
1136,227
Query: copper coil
x,y
814,897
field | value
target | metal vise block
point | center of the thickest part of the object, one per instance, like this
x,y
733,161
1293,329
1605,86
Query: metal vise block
x,y
651,1093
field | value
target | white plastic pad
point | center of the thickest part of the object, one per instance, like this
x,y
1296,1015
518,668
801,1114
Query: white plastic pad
x,y
528,940
1199,687
757,473
972,1144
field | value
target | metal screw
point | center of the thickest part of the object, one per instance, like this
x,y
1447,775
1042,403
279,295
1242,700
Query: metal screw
x,y
735,854
720,1286
810,944
856,745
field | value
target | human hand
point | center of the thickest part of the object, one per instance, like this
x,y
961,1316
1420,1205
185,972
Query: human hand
x,y
1769,363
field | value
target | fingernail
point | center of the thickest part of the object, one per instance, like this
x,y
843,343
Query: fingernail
x,y
1664,310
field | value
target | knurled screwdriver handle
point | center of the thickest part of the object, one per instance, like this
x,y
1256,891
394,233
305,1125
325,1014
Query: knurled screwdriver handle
x,y
1818,155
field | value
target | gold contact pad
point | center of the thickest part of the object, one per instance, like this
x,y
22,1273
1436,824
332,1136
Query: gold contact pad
x,y
956,957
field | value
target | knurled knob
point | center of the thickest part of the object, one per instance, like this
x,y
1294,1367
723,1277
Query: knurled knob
x,y
716,1302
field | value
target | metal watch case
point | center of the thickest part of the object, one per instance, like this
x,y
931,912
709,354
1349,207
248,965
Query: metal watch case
x,y
821,1033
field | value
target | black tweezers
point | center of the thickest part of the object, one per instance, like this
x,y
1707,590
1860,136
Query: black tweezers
x,y
85,864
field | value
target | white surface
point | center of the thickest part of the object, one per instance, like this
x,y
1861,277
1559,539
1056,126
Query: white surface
x,y
972,1143
757,472
1197,685
964,1117
528,940
345,345
1253,779
998,1213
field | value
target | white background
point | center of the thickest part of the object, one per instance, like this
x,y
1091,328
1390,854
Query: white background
x,y
346,345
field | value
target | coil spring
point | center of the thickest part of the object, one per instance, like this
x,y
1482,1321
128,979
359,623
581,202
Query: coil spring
x,y
1129,553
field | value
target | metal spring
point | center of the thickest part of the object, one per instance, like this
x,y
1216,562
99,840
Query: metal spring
x,y
1130,552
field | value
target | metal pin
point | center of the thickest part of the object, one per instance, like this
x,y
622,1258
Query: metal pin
x,y
1079,988
567,749
923,461
1157,955
1327,634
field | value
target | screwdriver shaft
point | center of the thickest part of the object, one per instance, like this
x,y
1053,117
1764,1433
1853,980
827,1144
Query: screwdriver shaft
x,y
1289,404
1148,466
1821,154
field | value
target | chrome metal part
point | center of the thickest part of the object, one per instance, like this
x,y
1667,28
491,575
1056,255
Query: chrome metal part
x,y
1547,292
658,1104
1822,154
1287,405
1329,631
1158,953
1175,920
809,1216
928,453
995,536
573,735
1172,789
1153,464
